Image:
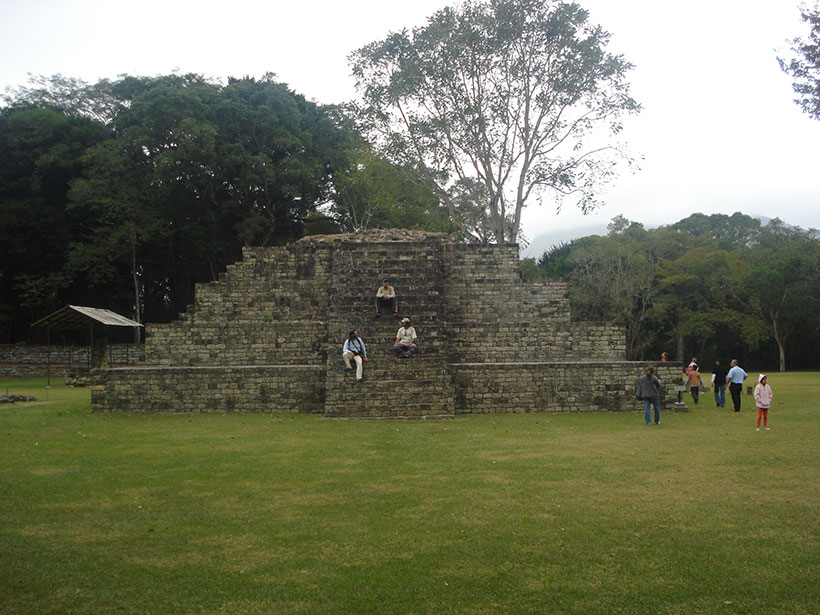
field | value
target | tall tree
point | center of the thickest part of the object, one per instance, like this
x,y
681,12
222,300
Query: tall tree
x,y
804,65
199,169
497,99
700,298
783,281
42,150
613,279
375,193
719,286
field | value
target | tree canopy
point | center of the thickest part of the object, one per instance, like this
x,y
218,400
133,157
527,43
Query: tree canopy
x,y
495,103
804,64
126,193
710,286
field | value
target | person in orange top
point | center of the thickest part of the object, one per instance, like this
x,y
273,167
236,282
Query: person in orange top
x,y
694,383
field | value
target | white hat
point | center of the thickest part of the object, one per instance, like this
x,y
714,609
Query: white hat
x,y
761,377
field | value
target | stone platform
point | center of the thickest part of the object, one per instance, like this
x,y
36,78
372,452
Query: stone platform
x,y
267,337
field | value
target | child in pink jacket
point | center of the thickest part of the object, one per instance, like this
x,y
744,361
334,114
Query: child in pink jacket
x,y
763,399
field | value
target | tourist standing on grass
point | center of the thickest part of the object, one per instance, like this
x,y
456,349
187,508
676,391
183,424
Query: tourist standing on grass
x,y
386,298
650,388
719,373
405,343
695,382
354,349
763,399
734,380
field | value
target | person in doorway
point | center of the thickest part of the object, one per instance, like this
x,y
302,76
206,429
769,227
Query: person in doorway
x,y
386,298
734,380
694,383
719,382
405,343
763,399
650,390
354,349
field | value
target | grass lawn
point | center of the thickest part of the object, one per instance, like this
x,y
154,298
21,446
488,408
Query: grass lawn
x,y
585,513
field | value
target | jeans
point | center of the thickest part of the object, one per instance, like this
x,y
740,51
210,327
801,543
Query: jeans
x,y
736,388
647,403
404,350
695,391
720,394
385,303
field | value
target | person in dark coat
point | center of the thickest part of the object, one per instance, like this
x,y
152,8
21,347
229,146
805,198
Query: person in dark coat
x,y
719,381
650,390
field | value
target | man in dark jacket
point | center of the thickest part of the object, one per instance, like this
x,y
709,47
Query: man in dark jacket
x,y
719,381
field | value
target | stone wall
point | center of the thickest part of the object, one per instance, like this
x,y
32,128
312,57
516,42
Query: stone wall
x,y
484,284
270,308
494,316
237,343
555,386
536,341
270,388
32,361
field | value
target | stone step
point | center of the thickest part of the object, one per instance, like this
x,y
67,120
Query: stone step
x,y
404,304
375,395
427,409
393,369
385,358
338,378
383,336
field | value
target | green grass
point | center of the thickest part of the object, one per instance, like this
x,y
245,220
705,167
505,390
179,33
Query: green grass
x,y
586,513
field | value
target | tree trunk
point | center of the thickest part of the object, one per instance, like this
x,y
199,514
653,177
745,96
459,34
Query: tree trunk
x,y
781,342
781,346
679,349
137,302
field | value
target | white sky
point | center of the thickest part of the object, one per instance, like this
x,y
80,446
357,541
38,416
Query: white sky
x,y
719,132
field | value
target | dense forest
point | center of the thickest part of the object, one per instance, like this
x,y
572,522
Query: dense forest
x,y
713,287
124,194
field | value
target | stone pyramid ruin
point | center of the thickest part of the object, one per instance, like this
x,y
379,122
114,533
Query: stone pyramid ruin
x,y
267,337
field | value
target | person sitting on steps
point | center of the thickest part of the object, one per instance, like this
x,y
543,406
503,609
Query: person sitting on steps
x,y
386,297
354,347
405,343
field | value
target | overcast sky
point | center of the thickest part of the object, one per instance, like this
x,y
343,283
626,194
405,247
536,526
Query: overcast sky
x,y
719,132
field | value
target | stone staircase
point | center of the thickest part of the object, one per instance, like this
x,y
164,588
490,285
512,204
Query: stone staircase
x,y
416,387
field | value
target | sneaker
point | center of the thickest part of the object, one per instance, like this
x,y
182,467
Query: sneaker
x,y
757,429
657,422
348,369
359,380
768,429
